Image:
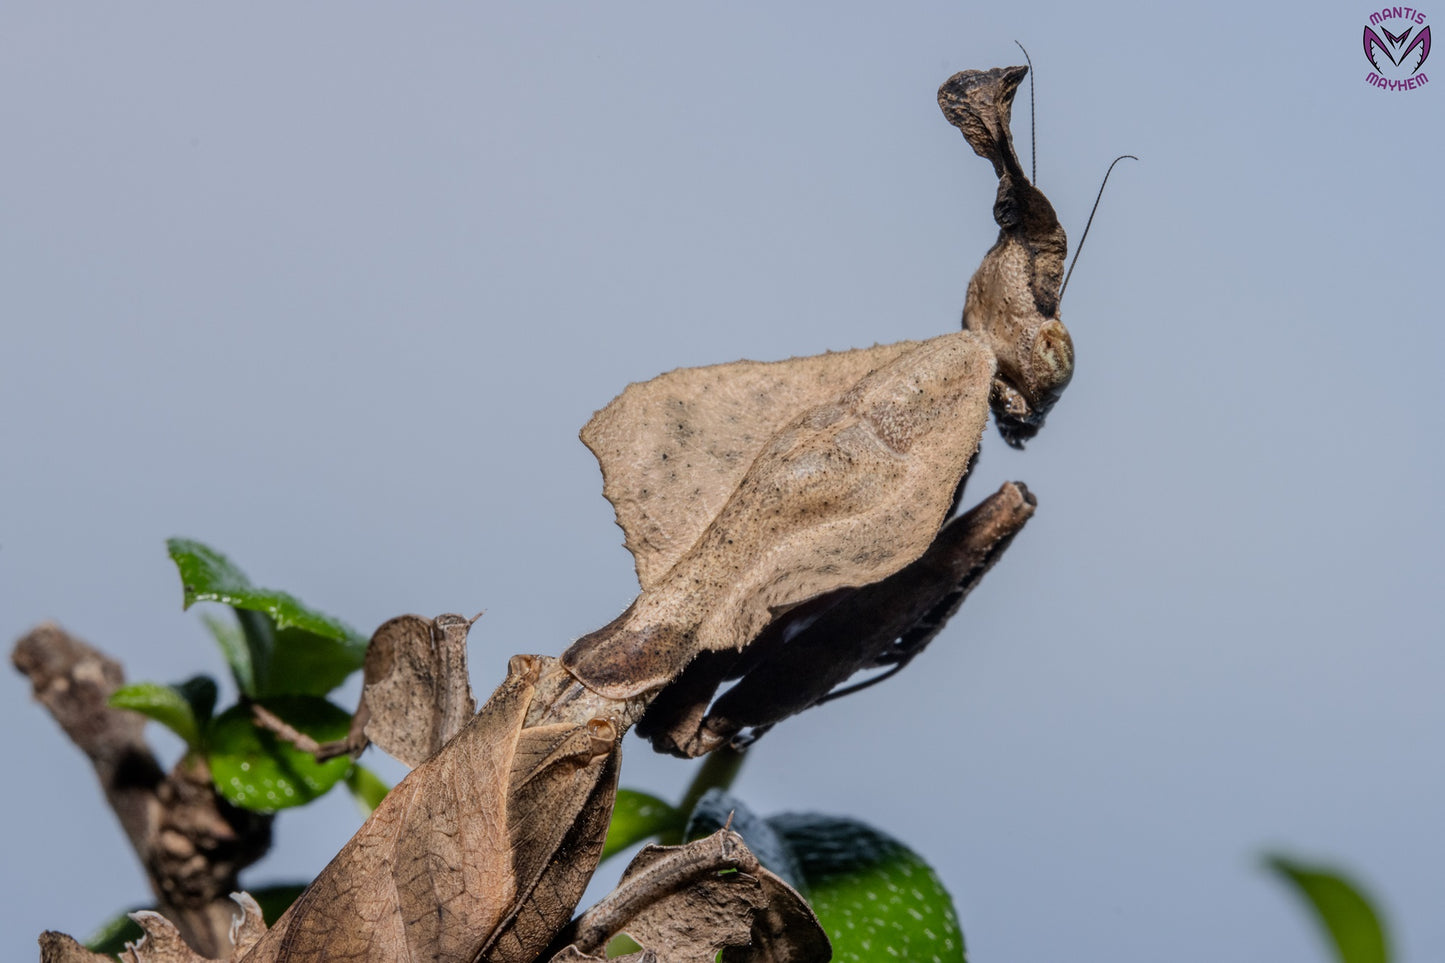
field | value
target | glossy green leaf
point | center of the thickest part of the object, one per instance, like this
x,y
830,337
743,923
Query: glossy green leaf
x,y
1349,920
875,897
637,816
283,647
184,708
367,787
254,769
208,576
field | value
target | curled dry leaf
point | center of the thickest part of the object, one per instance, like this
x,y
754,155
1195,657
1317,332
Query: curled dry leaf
x,y
162,942
415,693
801,657
673,449
480,853
689,903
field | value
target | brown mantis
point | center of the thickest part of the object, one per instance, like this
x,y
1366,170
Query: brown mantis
x,y
785,521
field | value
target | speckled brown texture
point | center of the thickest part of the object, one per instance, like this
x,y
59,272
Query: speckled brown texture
x,y
846,493
485,845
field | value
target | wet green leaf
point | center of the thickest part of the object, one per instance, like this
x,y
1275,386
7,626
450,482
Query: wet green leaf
x,y
875,897
254,769
208,576
183,708
367,787
1349,920
283,646
637,816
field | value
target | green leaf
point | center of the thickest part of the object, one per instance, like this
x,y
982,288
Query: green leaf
x,y
254,769
1349,920
875,897
183,708
259,634
232,643
637,816
200,692
367,787
208,576
288,648
115,933
621,945
303,663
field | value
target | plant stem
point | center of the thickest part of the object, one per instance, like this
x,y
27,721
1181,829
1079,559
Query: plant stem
x,y
718,770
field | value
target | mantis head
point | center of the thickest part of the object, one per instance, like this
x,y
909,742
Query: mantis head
x,y
1013,298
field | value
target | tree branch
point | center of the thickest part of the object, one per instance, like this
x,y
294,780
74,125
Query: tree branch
x,y
191,842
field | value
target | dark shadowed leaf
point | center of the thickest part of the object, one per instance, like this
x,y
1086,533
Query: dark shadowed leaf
x,y
276,899
637,816
253,769
367,788
234,648
875,897
1350,922
713,811
112,936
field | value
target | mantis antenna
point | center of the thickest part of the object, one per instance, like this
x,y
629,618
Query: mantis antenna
x,y
1090,221
1033,129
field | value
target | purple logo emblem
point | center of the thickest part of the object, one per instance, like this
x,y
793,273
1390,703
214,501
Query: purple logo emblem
x,y
1397,58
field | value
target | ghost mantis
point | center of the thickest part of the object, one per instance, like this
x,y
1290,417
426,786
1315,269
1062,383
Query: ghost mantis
x,y
787,523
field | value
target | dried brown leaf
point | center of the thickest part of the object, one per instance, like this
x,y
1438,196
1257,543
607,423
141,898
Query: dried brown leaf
x,y
845,494
472,856
61,948
795,664
416,695
673,449
162,942
573,955
688,903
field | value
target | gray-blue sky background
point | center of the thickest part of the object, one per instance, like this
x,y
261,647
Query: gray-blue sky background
x,y
332,287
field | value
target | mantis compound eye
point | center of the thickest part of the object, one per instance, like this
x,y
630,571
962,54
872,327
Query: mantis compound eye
x,y
1034,367
1051,363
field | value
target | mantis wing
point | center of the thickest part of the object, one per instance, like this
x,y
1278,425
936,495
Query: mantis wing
x,y
672,450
